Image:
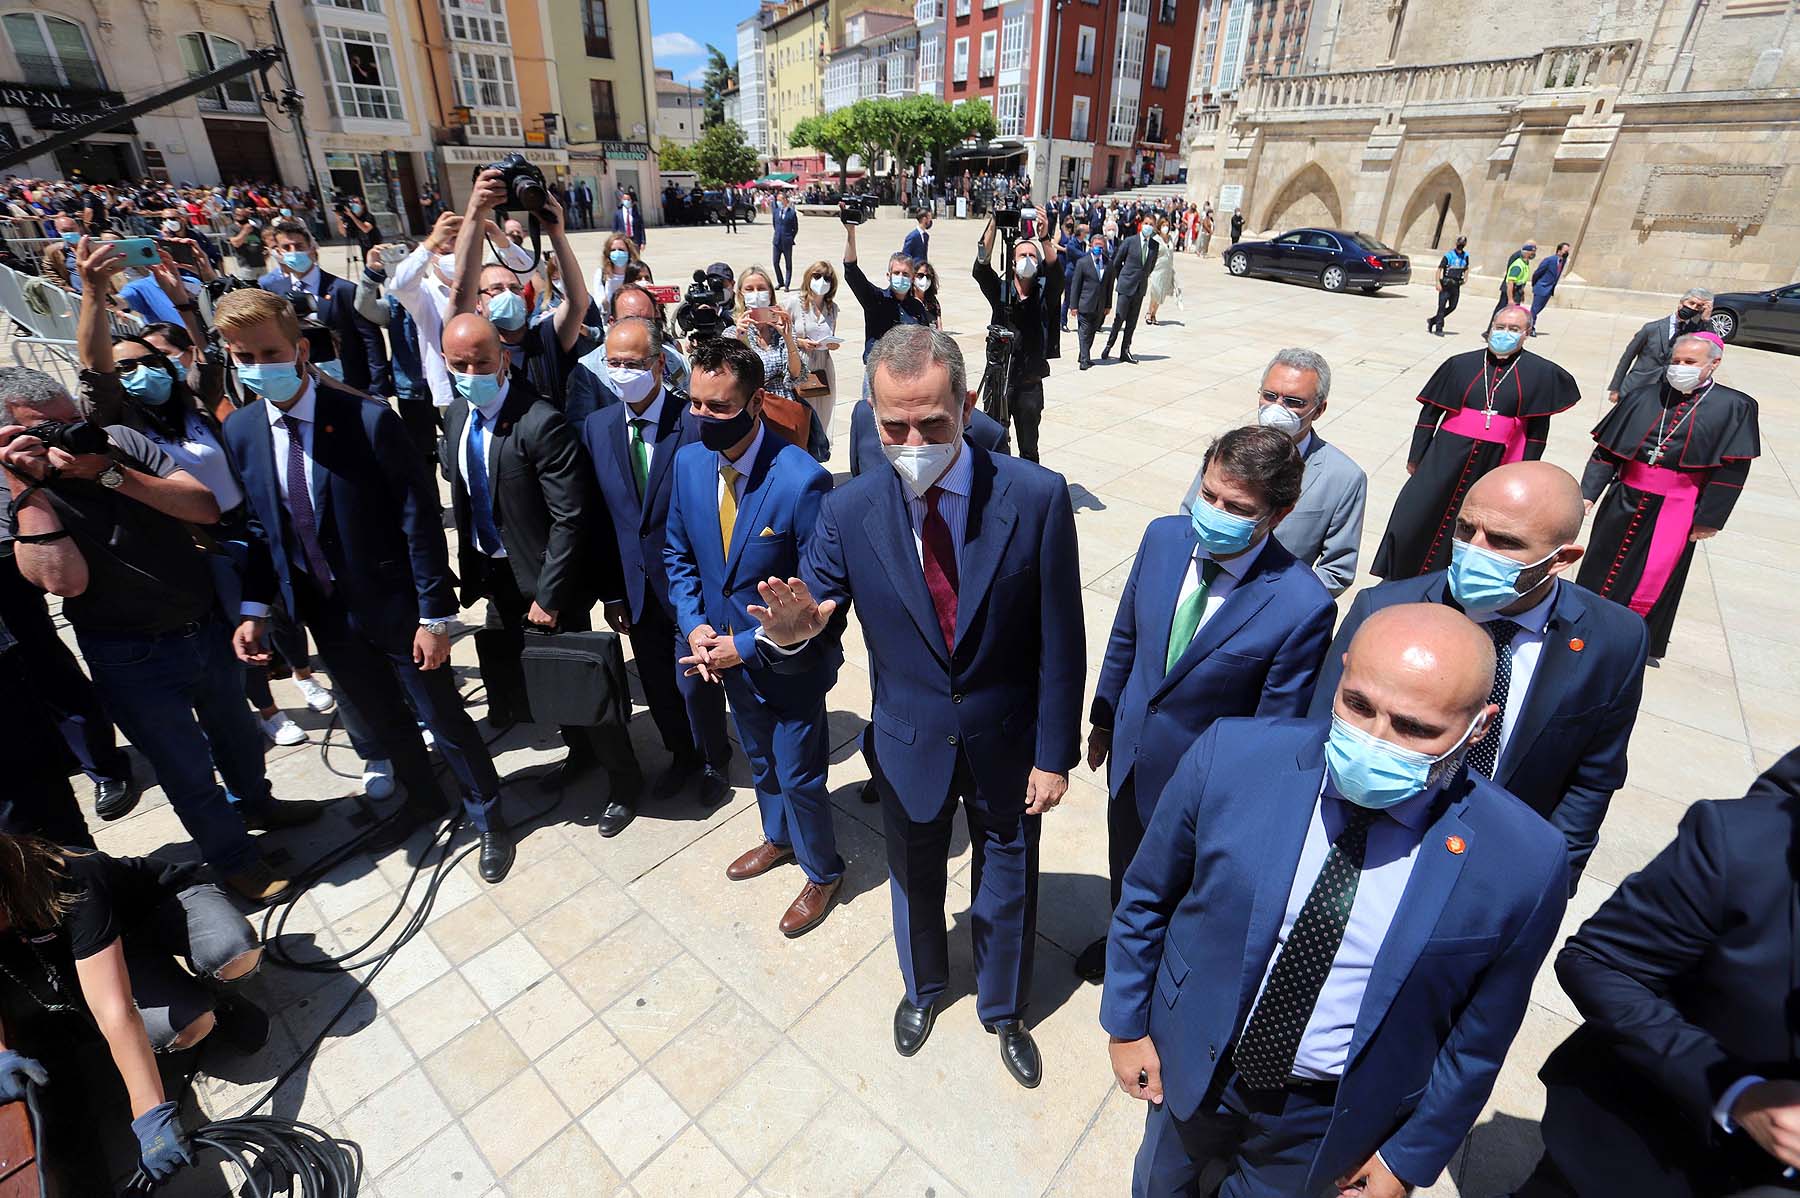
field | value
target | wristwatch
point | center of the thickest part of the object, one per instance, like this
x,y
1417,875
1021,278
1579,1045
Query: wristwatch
x,y
436,627
111,478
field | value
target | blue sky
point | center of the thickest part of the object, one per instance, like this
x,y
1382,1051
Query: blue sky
x,y
680,30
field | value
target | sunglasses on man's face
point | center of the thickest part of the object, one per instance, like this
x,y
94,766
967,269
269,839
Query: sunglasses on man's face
x,y
1293,403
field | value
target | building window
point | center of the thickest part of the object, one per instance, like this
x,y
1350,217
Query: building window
x,y
52,51
606,117
1012,42
1166,11
499,126
1009,110
931,60
989,5
988,41
1153,125
476,21
202,54
484,80
1084,50
1078,118
595,29
959,61
352,5
364,84
962,8
1159,72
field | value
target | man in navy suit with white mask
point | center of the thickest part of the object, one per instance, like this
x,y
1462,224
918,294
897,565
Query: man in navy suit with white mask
x,y
963,568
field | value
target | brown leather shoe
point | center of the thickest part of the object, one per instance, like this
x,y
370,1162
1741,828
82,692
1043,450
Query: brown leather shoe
x,y
257,882
808,908
758,861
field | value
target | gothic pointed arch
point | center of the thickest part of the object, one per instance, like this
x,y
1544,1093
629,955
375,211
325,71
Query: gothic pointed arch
x,y
1309,197
1434,215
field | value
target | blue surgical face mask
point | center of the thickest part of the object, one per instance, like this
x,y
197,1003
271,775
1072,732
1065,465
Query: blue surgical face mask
x,y
1483,581
287,212
276,382
618,257
1376,774
478,389
507,311
1504,341
71,238
148,384
901,284
298,261
1221,533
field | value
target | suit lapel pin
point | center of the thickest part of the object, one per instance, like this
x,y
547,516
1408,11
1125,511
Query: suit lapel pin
x,y
328,428
1455,844
1577,645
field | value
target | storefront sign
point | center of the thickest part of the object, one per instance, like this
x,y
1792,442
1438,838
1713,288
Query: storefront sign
x,y
628,151
480,155
61,107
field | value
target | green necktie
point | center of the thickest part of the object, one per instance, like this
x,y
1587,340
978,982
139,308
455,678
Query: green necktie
x,y
640,457
1188,613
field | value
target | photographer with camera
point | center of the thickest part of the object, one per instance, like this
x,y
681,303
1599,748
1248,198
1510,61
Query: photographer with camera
x,y
544,351
1025,316
247,246
883,307
101,517
326,301
355,221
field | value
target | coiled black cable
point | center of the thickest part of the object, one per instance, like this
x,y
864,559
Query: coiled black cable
x,y
277,1156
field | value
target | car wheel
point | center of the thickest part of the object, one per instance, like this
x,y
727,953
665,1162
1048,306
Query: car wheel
x,y
1333,278
1724,323
1238,263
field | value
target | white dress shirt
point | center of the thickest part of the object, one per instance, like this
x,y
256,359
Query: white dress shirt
x,y
1232,572
1527,648
1392,849
488,411
426,299
652,421
953,505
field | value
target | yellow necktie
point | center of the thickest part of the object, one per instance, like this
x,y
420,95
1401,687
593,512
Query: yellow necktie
x,y
728,507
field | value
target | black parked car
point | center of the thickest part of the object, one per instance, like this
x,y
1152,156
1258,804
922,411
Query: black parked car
x,y
1331,258
1768,316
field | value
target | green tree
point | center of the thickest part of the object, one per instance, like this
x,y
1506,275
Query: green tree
x,y
973,120
832,134
722,156
720,76
674,156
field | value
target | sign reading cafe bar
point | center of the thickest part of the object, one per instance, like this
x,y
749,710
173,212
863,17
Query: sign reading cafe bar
x,y
60,107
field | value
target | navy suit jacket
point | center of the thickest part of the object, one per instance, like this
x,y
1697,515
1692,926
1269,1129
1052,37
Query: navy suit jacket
x,y
1203,904
637,526
916,245
637,223
360,347
865,439
1010,695
377,518
1567,754
1259,654
776,522
786,225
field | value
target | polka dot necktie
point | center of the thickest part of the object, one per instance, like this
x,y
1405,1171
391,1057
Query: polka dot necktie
x,y
1485,754
1265,1052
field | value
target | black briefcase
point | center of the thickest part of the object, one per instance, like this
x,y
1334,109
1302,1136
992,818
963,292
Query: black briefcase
x,y
576,679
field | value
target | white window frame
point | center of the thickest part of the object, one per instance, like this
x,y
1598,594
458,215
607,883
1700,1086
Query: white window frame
x,y
962,8
959,61
475,22
989,5
470,84
1081,129
1087,41
1012,41
1159,71
1009,110
931,59
990,44
220,98
332,40
368,6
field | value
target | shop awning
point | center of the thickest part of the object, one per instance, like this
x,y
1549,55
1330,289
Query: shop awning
x,y
779,177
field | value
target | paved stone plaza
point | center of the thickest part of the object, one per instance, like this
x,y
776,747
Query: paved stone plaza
x,y
618,1018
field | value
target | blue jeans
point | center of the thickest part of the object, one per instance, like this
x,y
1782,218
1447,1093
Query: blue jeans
x,y
179,697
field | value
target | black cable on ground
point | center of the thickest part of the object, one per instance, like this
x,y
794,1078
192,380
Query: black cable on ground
x,y
277,1156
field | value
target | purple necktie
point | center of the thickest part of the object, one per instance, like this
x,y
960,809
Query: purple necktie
x,y
306,527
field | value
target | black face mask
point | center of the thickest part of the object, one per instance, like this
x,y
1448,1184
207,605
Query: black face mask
x,y
1689,318
720,435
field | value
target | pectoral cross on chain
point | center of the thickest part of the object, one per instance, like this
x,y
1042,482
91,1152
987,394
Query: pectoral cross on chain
x,y
1655,456
1488,418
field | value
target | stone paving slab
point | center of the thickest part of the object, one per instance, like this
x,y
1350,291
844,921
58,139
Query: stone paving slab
x,y
619,1019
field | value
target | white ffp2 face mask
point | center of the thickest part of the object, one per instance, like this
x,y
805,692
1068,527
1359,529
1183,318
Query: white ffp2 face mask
x,y
1683,377
920,465
632,383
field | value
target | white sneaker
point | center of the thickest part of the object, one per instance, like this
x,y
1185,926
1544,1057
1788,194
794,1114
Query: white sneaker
x,y
282,730
317,697
378,778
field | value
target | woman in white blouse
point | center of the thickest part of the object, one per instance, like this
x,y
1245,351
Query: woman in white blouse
x,y
814,314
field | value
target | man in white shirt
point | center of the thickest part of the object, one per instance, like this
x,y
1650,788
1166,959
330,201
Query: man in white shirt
x,y
422,282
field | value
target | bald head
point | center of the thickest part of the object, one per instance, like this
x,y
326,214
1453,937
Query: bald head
x,y
1536,494
1417,675
1529,512
472,345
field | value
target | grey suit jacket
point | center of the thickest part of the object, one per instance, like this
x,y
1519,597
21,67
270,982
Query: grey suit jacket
x,y
1325,528
1644,359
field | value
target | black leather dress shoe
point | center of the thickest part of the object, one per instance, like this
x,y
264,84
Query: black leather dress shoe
x,y
1090,966
114,798
912,1027
1126,356
496,854
715,788
1019,1053
616,816
675,779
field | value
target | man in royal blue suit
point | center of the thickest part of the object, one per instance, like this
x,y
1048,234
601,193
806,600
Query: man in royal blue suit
x,y
1217,620
361,360
356,545
963,568
632,446
784,222
1327,941
1571,663
743,506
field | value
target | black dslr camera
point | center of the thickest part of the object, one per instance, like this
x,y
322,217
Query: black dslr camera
x,y
74,437
702,313
855,209
525,186
1006,216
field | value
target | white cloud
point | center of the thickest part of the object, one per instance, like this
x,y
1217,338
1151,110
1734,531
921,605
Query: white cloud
x,y
675,45
694,77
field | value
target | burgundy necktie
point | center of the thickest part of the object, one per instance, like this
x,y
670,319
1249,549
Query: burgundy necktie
x,y
306,529
939,555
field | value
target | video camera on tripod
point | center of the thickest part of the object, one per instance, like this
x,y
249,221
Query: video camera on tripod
x,y
702,315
